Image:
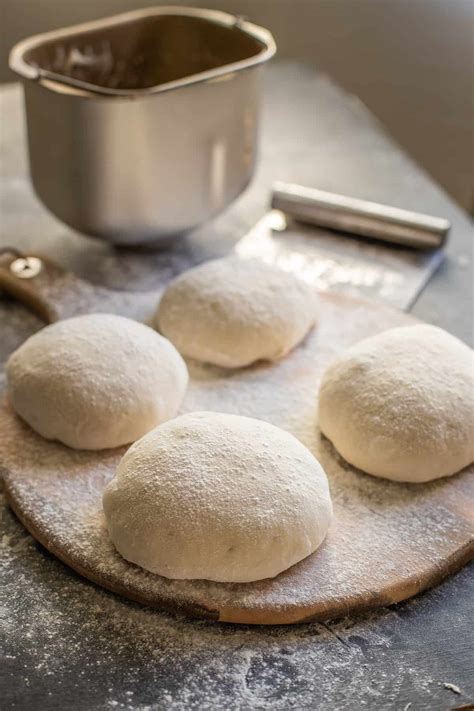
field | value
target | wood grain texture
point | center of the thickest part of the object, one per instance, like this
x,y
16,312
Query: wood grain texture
x,y
388,541
53,294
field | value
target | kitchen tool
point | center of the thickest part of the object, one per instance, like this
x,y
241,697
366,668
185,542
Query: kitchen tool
x,y
143,125
361,217
47,289
388,541
54,293
294,236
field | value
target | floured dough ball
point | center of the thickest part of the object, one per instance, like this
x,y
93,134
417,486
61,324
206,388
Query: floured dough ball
x,y
400,405
217,497
96,381
232,312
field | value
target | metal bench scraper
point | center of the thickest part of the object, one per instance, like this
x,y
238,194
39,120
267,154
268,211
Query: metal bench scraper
x,y
348,245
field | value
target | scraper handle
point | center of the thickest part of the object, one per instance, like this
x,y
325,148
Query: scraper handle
x,y
360,217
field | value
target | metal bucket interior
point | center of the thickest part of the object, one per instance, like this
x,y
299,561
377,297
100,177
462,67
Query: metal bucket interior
x,y
144,50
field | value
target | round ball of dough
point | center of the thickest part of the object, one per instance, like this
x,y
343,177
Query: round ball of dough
x,y
96,381
400,405
232,312
217,497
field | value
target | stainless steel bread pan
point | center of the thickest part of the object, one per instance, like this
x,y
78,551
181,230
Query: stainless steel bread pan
x,y
143,125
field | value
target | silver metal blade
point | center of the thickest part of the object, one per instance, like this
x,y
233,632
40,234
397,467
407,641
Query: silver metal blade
x,y
390,274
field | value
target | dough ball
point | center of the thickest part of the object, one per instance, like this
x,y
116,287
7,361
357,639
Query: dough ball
x,y
400,405
232,312
217,497
96,381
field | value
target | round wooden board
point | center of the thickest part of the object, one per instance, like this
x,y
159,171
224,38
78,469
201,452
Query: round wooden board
x,y
388,540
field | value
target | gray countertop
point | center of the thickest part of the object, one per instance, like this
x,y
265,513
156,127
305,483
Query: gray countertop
x,y
71,645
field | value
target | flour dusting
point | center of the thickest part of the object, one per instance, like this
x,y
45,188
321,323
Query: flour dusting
x,y
69,631
387,538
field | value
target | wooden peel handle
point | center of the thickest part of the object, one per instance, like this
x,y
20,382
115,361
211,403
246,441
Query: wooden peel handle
x,y
52,292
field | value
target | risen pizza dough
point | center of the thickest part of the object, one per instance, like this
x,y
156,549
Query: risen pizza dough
x,y
96,381
400,405
232,312
219,497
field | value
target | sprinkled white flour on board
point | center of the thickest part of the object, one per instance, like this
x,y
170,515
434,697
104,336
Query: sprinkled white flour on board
x,y
386,540
73,634
69,642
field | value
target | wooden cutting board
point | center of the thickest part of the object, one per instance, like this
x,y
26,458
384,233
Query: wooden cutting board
x,y
388,540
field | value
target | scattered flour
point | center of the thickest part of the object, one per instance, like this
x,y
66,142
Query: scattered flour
x,y
383,532
74,640
73,635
